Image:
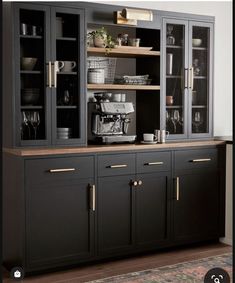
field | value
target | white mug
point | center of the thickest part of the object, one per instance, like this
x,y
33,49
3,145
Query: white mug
x,y
149,137
66,66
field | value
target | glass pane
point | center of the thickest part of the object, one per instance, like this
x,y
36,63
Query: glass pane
x,y
67,90
175,52
32,74
200,61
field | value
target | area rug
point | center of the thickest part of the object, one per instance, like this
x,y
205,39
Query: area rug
x,y
188,272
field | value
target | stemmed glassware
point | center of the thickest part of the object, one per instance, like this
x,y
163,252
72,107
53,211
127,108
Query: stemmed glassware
x,y
175,118
25,122
35,121
197,120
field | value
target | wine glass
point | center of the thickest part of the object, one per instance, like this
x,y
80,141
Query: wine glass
x,y
175,119
24,122
35,121
197,120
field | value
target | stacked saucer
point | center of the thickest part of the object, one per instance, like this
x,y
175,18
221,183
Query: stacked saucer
x,y
64,133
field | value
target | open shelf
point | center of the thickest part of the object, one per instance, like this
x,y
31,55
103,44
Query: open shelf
x,y
116,52
124,87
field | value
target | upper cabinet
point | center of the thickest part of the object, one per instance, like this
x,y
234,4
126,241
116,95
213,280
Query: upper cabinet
x,y
49,75
187,78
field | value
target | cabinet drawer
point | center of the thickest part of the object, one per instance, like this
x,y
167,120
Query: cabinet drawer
x,y
56,169
196,159
153,162
110,165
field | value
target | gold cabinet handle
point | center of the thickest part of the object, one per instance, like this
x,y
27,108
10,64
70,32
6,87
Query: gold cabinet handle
x,y
92,197
201,160
134,183
117,166
154,163
140,183
177,188
192,78
61,170
186,78
49,74
55,69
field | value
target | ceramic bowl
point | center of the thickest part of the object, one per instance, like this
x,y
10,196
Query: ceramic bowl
x,y
28,63
197,42
30,96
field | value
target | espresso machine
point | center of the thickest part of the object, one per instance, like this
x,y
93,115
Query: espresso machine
x,y
108,122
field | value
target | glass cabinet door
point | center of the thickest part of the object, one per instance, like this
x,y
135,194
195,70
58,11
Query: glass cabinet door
x,y
68,69
200,79
175,62
32,31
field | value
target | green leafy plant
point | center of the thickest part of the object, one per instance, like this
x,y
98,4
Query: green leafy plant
x,y
103,34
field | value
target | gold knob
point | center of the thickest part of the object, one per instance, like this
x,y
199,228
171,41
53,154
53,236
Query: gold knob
x,y
134,183
140,182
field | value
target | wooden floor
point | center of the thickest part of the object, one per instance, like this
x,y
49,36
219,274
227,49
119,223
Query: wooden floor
x,y
100,270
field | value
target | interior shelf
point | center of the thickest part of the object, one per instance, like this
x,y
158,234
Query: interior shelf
x,y
31,36
200,77
199,106
31,72
67,38
199,48
174,46
116,52
31,107
124,87
174,106
66,73
173,77
66,107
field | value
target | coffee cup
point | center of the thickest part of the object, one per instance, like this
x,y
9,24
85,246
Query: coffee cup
x,y
117,97
149,137
66,66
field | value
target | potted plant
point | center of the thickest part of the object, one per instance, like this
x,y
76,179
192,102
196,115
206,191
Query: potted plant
x,y
101,38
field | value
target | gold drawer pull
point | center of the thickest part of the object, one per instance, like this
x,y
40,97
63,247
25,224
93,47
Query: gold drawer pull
x,y
154,163
117,166
61,170
92,197
201,160
177,188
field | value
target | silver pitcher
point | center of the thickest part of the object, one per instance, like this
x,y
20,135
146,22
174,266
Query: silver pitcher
x,y
161,135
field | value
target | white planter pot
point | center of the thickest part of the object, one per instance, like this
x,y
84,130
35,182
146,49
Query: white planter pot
x,y
99,41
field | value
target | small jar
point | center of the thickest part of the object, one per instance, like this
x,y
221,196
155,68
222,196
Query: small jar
x,y
96,76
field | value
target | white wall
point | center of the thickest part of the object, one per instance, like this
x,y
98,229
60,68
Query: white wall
x,y
223,50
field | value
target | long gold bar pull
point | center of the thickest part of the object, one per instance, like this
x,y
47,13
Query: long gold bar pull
x,y
117,166
189,78
192,78
61,170
177,188
201,160
49,74
154,163
55,73
92,197
186,78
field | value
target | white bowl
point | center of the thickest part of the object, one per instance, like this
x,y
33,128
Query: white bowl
x,y
197,42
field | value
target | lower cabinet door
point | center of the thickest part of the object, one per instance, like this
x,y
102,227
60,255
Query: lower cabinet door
x,y
59,223
152,209
115,210
196,205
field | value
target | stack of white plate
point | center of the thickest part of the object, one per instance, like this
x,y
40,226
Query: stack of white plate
x,y
64,133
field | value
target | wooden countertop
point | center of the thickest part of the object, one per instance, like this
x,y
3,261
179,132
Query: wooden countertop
x,y
107,148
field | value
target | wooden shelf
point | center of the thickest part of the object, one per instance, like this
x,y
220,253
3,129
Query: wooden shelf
x,y
123,87
116,52
31,36
30,72
67,38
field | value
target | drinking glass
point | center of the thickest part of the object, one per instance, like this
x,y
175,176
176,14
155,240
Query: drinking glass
x,y
35,121
25,122
175,119
197,120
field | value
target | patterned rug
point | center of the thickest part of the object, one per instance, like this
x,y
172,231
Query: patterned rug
x,y
188,272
